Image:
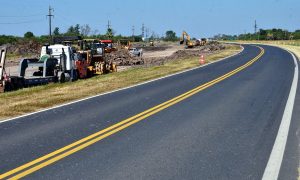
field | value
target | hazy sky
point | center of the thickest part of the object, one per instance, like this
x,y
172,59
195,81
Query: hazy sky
x,y
198,18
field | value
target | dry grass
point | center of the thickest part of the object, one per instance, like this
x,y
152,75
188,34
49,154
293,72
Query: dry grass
x,y
36,98
291,45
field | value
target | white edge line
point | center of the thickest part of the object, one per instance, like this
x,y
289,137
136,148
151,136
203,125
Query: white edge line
x,y
87,98
274,163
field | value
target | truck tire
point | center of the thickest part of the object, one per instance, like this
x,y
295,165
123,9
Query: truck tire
x,y
61,77
75,75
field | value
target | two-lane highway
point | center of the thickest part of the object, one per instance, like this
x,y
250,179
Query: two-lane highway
x,y
215,122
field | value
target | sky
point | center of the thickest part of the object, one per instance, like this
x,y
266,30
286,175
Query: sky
x,y
197,17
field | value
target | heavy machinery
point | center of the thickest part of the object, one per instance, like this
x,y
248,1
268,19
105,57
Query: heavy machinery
x,y
186,40
93,53
151,43
56,64
200,42
124,44
108,45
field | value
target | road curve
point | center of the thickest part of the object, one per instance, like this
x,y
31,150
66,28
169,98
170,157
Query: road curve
x,y
216,122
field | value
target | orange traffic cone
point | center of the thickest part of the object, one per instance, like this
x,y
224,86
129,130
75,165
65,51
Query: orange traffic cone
x,y
202,60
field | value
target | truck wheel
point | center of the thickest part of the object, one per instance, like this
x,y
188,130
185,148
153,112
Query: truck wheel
x,y
61,77
75,75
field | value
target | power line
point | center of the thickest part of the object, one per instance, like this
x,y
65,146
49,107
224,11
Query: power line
x,y
22,22
32,15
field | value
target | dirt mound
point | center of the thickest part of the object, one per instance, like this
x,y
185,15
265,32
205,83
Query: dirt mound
x,y
123,58
24,48
209,48
212,46
154,48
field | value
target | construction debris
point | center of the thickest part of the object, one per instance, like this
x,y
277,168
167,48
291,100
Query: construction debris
x,y
123,58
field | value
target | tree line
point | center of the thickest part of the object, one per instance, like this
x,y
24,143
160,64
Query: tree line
x,y
263,34
84,31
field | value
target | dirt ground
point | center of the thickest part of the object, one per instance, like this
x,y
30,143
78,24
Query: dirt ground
x,y
152,55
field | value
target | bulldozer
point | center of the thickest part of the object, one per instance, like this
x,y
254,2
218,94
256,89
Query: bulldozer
x,y
186,40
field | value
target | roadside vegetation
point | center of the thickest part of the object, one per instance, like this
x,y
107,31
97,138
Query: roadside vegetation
x,y
36,98
263,34
278,37
291,45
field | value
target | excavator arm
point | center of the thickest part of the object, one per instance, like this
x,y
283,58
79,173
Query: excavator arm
x,y
185,38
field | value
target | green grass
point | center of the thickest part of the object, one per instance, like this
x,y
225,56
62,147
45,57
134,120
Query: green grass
x,y
36,98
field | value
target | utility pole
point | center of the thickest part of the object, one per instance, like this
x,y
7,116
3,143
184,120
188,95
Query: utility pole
x,y
133,33
147,33
108,25
50,17
255,29
109,32
143,30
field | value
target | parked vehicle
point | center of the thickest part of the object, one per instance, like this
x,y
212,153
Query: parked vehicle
x,y
136,52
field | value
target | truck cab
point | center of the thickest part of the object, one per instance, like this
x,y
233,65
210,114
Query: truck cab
x,y
56,51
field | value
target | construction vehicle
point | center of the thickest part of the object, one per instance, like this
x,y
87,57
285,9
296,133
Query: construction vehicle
x,y
56,64
124,44
93,53
108,46
200,42
186,40
203,41
151,43
136,52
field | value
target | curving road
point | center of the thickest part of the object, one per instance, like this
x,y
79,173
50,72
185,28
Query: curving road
x,y
215,122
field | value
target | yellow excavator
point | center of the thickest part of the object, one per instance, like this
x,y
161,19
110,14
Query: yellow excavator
x,y
186,39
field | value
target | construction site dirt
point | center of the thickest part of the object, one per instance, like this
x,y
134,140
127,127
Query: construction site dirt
x,y
152,55
158,55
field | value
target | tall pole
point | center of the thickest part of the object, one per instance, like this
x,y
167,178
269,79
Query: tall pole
x,y
133,33
143,30
50,17
108,24
255,28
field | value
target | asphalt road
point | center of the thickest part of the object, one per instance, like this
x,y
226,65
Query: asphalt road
x,y
225,131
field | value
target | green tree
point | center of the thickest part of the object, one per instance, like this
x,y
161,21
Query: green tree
x,y
28,35
77,29
56,31
171,36
73,30
70,31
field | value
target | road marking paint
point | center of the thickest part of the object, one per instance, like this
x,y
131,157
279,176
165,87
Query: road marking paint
x,y
274,163
89,140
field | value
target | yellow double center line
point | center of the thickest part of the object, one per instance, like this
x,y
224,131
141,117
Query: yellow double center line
x,y
52,157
